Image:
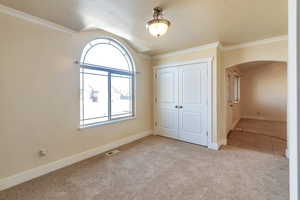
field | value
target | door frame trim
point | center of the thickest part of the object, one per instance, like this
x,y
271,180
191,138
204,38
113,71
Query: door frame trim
x,y
189,62
209,61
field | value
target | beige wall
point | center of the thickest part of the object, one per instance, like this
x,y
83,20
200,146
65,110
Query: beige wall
x,y
273,51
39,104
264,91
39,85
236,113
205,53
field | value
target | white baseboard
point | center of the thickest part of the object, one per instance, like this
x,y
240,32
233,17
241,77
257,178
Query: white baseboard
x,y
45,169
263,118
214,146
217,146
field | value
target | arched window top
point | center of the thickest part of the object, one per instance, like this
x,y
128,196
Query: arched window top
x,y
106,53
107,83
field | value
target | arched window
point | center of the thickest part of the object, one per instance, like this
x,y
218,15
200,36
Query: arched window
x,y
106,83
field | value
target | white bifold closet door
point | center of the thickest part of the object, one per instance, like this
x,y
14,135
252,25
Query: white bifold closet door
x,y
167,102
182,103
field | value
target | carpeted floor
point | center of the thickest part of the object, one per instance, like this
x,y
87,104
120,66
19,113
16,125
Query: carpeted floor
x,y
157,168
268,128
260,135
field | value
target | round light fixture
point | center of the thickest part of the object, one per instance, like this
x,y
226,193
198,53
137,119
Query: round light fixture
x,y
158,26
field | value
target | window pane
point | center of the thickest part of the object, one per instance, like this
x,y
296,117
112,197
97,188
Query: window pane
x,y
236,89
121,96
106,55
105,96
95,97
81,98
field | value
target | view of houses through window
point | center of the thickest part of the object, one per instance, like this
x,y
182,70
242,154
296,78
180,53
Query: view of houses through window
x,y
107,83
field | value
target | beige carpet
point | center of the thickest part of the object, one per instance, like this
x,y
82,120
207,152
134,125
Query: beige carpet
x,y
260,135
157,168
269,128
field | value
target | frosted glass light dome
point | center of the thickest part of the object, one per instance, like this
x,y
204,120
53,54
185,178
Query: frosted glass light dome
x,y
158,26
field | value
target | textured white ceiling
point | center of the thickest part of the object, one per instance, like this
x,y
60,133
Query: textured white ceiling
x,y
194,22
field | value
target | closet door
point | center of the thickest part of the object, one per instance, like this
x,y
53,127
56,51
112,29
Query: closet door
x,y
167,102
193,107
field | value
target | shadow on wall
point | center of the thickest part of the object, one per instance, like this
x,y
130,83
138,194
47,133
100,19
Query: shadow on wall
x,y
263,90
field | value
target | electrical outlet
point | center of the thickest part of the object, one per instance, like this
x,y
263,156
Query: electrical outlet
x,y
42,152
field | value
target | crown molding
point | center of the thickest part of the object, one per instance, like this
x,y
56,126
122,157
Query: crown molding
x,y
173,64
189,50
223,48
49,24
255,43
145,56
22,15
37,20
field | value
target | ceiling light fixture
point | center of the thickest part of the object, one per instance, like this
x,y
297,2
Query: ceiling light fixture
x,y
158,26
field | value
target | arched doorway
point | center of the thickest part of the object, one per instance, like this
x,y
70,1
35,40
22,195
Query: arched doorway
x,y
256,104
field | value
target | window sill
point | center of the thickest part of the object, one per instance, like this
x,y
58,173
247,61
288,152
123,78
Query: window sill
x,y
106,123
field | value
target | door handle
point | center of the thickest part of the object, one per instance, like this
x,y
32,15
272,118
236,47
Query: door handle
x,y
178,107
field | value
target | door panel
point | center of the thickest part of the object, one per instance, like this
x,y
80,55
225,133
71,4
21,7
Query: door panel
x,y
167,100
166,89
190,122
193,99
181,103
191,78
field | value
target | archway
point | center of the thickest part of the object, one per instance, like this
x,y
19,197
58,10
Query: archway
x,y
256,104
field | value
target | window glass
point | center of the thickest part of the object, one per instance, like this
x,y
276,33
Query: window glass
x,y
120,95
106,83
106,53
236,87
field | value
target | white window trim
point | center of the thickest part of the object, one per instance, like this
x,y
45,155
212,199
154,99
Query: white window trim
x,y
107,123
117,120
